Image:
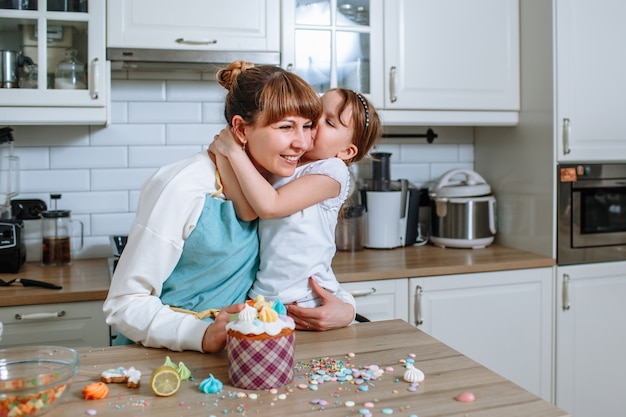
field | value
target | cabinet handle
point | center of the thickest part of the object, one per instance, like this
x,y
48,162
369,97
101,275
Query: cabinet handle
x,y
418,306
95,79
290,67
566,128
196,41
392,85
565,292
39,316
363,293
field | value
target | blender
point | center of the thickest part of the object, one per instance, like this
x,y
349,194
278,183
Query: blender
x,y
12,248
392,207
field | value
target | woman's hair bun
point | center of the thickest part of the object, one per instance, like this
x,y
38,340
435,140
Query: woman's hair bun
x,y
228,76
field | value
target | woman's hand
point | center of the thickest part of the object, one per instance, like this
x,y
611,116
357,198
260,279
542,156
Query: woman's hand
x,y
214,338
225,143
332,313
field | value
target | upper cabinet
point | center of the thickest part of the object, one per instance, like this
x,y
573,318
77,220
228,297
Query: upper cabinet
x,y
54,66
421,62
457,58
590,78
335,43
233,25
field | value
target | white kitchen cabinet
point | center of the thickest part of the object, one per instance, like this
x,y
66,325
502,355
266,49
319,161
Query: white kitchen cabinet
x,y
420,62
45,99
591,339
77,325
334,43
502,320
380,300
591,86
453,57
233,25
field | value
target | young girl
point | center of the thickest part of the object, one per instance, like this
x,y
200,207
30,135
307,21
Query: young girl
x,y
299,214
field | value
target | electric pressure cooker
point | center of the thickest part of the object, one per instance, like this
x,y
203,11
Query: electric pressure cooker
x,y
463,211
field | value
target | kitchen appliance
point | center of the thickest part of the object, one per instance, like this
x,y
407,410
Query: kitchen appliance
x,y
463,211
591,213
12,248
59,236
391,207
350,231
10,61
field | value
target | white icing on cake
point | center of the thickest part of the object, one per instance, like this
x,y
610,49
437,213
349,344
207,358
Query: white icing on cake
x,y
250,320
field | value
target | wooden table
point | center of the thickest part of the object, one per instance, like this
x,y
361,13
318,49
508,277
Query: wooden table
x,y
382,343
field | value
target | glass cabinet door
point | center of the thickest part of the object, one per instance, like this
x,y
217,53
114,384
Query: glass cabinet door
x,y
331,43
53,53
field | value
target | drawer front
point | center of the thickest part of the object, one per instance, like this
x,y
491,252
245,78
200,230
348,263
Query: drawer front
x,y
382,299
74,325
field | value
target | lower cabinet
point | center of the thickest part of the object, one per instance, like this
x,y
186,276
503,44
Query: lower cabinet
x,y
380,300
503,320
77,325
591,339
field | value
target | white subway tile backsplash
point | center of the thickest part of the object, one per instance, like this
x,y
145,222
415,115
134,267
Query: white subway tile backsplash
x,y
429,153
111,223
466,153
158,119
128,135
156,156
138,90
114,179
194,91
213,113
95,202
147,112
199,134
54,181
33,158
88,157
119,112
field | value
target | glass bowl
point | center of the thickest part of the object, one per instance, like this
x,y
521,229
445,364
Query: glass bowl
x,y
34,378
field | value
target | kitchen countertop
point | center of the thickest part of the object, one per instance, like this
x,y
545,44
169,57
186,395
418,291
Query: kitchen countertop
x,y
88,280
384,343
428,260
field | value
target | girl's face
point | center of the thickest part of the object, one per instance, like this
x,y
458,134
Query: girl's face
x,y
334,131
276,149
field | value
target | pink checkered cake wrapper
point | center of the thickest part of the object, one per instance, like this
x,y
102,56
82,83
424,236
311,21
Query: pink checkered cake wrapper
x,y
260,364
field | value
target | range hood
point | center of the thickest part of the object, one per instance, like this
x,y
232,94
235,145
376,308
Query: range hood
x,y
183,60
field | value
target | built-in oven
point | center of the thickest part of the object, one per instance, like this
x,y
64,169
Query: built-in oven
x,y
591,213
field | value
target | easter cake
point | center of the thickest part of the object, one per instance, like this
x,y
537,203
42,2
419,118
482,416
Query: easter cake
x,y
260,342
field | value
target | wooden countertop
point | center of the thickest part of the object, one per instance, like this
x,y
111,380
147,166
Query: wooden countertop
x,y
385,343
88,280
84,280
428,260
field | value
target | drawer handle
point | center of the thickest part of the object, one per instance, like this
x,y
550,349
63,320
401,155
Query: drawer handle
x,y
39,316
184,41
363,293
418,306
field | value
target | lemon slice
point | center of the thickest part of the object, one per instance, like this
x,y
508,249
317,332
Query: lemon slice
x,y
164,381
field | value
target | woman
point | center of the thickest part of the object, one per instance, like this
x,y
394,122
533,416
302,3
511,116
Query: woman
x,y
189,261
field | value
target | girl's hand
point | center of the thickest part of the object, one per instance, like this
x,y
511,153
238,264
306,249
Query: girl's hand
x,y
214,338
225,143
333,313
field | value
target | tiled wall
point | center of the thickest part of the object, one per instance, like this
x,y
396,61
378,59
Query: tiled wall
x,y
99,170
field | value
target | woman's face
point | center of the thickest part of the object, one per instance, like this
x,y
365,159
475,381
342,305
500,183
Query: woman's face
x,y
331,135
277,148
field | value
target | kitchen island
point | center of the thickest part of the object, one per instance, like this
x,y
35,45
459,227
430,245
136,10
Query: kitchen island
x,y
384,344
